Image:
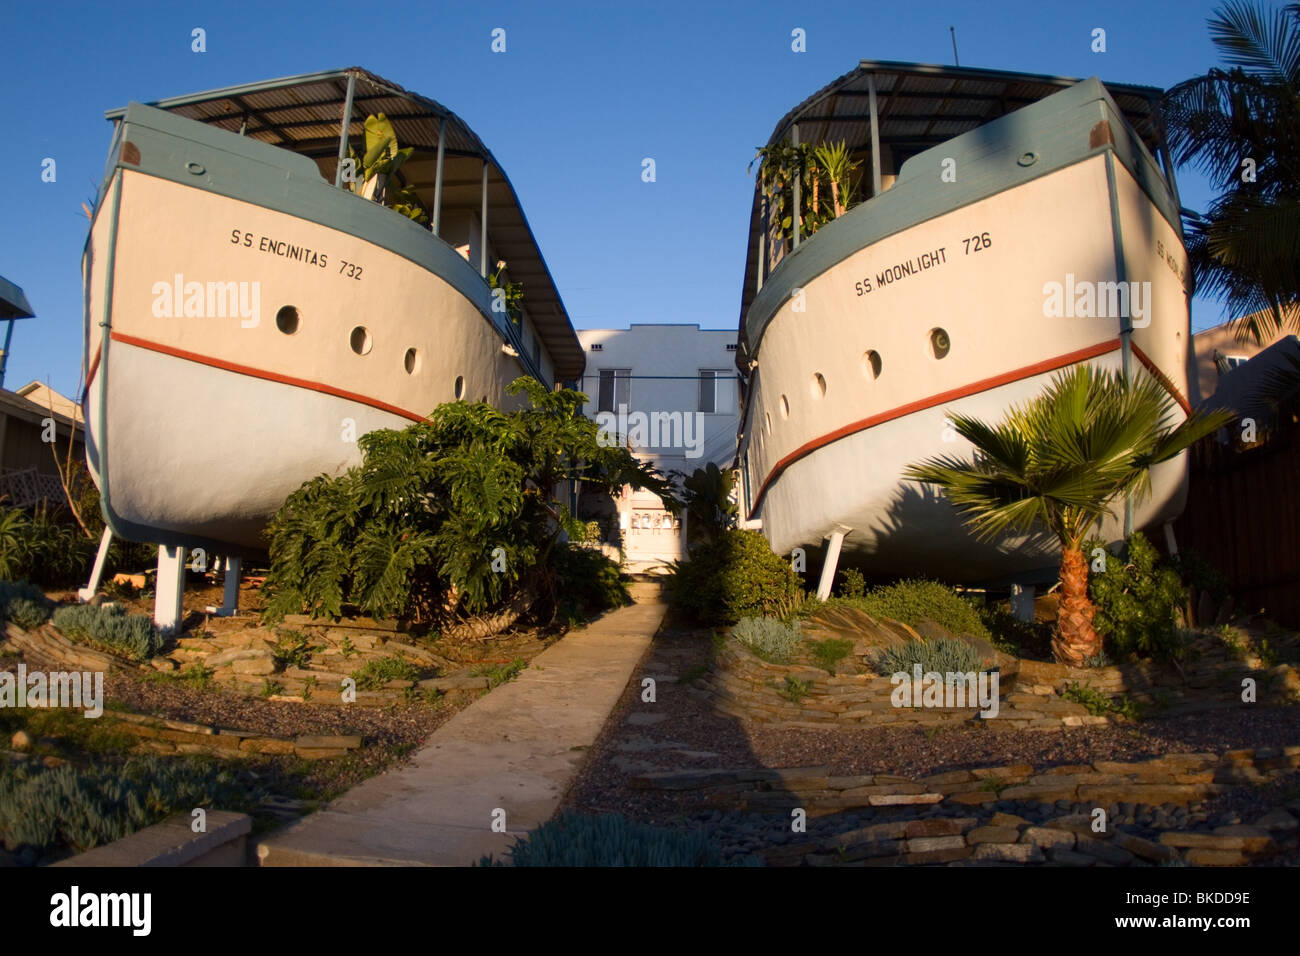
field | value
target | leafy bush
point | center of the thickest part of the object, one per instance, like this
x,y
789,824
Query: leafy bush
x,y
379,671
1012,635
918,600
944,656
292,649
576,839
459,509
42,547
1099,705
1138,602
80,808
131,635
587,582
770,639
23,604
852,583
830,652
735,576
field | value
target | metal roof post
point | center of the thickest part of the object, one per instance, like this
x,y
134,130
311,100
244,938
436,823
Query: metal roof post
x,y
875,134
4,356
347,127
437,176
482,242
798,178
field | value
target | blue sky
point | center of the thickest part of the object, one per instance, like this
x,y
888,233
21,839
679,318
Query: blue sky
x,y
582,94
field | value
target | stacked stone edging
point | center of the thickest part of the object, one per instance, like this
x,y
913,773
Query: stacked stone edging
x,y
163,735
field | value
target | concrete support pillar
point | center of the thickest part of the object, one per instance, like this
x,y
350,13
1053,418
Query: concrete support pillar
x,y
1022,602
1170,541
169,588
836,539
88,592
230,598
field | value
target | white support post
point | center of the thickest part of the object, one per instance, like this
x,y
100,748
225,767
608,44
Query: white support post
x,y
1170,541
88,592
1022,602
169,588
230,597
836,539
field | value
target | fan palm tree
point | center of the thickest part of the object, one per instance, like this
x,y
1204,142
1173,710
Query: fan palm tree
x,y
1060,461
1241,128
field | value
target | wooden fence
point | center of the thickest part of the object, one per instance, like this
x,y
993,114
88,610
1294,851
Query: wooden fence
x,y
1243,516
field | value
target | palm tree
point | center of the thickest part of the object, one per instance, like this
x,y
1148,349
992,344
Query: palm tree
x,y
1246,247
1059,461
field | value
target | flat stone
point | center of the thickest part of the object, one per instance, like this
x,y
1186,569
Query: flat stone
x,y
1198,856
1008,852
1048,837
328,742
1154,852
1278,819
938,826
1008,820
993,835
1105,852
944,855
904,799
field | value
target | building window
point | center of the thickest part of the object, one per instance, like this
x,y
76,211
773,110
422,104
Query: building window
x,y
615,389
717,391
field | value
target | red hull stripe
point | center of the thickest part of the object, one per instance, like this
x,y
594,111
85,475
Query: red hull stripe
x,y
974,388
252,373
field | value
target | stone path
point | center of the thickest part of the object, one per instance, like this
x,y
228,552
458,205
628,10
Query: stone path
x,y
515,750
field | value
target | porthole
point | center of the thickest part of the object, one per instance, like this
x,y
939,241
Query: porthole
x,y
817,387
360,340
940,344
411,362
871,364
286,320
767,420
785,407
460,387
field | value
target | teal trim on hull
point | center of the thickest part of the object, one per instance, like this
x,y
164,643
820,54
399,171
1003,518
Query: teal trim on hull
x,y
245,169
1057,129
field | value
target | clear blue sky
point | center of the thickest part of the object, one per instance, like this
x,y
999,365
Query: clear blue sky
x,y
583,93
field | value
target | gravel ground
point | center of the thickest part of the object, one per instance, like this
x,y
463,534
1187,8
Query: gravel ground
x,y
681,731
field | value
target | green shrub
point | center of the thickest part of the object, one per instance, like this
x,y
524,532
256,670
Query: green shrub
x,y
1138,602
735,576
852,583
379,671
944,656
772,640
498,674
292,649
830,652
23,604
108,626
914,601
43,547
1012,635
586,582
80,808
608,840
795,689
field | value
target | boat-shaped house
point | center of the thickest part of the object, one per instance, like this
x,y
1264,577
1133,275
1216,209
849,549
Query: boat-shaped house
x,y
254,303
1010,226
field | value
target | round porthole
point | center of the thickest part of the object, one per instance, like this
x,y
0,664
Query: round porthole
x,y
817,387
767,420
286,320
460,387
940,344
785,407
195,168
1028,159
411,361
360,340
871,364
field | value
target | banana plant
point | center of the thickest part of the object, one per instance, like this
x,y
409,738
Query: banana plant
x,y
379,167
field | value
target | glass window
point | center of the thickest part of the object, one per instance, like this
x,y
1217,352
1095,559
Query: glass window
x,y
717,391
615,389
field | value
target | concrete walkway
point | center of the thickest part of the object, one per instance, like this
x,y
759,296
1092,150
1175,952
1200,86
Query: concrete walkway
x,y
515,749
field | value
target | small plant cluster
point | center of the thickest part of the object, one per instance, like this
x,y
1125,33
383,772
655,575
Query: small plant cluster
x,y
944,656
500,673
108,626
79,808
795,689
1099,705
852,583
734,576
292,649
914,601
379,671
773,640
576,839
23,604
1137,603
830,652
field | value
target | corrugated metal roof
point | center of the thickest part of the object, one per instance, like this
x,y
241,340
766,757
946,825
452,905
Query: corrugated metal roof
x,y
919,106
304,113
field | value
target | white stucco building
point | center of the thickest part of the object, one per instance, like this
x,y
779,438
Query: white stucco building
x,y
672,391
